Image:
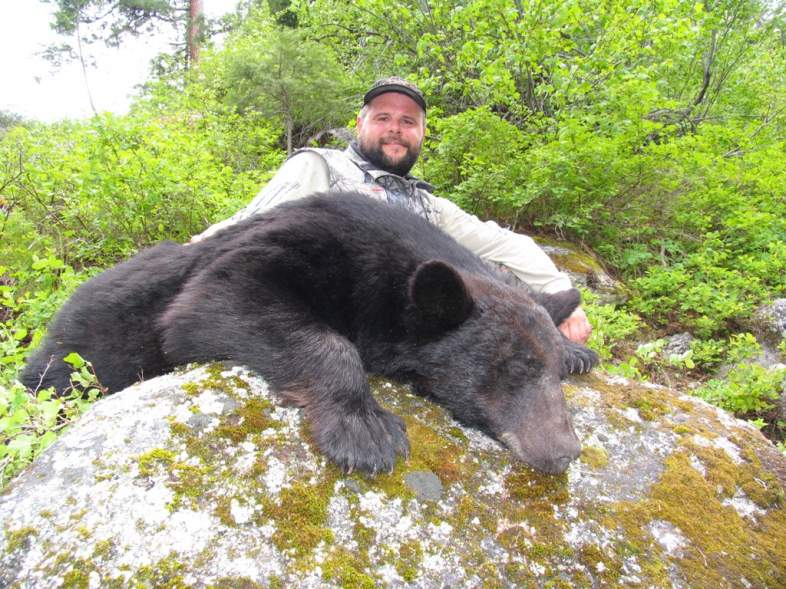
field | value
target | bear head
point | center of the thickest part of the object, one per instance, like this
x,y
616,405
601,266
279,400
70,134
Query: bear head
x,y
492,355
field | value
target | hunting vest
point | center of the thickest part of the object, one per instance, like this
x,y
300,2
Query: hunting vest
x,y
349,171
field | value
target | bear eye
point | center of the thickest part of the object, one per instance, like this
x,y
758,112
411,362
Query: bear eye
x,y
521,369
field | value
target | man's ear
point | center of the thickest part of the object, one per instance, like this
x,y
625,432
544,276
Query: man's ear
x,y
559,304
439,295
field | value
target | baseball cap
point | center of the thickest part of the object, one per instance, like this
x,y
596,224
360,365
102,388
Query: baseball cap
x,y
395,84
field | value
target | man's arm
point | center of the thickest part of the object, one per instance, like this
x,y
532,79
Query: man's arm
x,y
301,175
516,252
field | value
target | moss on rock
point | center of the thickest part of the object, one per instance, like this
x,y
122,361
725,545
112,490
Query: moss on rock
x,y
668,491
300,515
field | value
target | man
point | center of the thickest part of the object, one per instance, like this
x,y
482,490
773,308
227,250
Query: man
x,y
390,130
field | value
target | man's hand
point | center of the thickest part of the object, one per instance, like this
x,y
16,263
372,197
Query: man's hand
x,y
576,327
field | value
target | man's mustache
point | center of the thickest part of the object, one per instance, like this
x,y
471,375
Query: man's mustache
x,y
394,141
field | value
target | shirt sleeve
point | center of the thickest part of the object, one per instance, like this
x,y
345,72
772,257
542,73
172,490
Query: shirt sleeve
x,y
301,175
491,242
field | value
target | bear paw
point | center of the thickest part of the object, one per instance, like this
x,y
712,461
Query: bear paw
x,y
367,440
578,359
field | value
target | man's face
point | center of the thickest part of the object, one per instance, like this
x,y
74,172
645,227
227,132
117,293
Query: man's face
x,y
391,132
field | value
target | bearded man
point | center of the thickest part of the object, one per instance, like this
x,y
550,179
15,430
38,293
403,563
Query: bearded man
x,y
391,126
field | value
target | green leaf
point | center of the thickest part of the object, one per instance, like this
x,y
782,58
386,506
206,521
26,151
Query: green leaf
x,y
46,440
22,446
74,360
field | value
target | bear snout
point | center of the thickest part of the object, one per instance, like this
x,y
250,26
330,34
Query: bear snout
x,y
561,462
551,456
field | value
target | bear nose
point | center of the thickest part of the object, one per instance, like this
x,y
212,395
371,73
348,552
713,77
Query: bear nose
x,y
561,464
554,461
571,449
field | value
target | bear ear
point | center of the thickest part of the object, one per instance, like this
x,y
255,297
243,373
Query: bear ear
x,y
439,295
560,304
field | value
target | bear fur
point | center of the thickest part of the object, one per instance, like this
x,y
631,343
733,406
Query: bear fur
x,y
315,293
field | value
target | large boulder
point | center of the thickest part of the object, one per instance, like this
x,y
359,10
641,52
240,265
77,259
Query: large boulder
x,y
200,479
584,270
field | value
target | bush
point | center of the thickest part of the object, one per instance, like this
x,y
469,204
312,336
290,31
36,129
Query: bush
x,y
612,328
477,161
712,291
747,389
97,191
29,297
30,420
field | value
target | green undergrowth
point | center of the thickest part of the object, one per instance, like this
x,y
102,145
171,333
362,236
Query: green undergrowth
x,y
30,421
723,371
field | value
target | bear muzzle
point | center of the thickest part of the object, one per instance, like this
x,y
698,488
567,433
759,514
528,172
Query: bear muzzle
x,y
543,436
548,450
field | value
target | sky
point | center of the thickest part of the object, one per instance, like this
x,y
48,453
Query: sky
x,y
31,87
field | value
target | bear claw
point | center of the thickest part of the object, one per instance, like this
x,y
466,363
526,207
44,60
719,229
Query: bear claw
x,y
578,359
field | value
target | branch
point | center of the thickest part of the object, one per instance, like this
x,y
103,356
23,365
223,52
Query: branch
x,y
84,67
708,62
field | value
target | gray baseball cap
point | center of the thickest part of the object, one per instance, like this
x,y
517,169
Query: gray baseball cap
x,y
395,84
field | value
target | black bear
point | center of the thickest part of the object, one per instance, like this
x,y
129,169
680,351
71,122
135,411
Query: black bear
x,y
315,293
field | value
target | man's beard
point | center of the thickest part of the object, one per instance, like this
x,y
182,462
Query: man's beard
x,y
380,159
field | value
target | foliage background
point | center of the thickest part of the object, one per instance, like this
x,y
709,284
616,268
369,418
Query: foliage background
x,y
650,133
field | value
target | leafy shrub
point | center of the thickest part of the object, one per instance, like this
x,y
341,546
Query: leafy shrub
x,y
708,354
742,347
30,420
747,388
477,161
712,291
612,327
650,361
99,190
708,292
29,298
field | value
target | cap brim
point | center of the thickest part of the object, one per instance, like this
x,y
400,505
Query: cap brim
x,y
374,92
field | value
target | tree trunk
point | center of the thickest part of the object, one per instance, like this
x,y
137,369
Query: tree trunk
x,y
84,67
194,23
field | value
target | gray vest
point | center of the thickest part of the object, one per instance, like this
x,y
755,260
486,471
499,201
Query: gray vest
x,y
349,171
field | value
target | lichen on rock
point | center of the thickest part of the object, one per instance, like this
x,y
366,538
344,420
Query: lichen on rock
x,y
200,479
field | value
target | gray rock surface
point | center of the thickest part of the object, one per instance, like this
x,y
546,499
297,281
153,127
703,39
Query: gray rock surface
x,y
425,484
200,479
677,344
584,270
769,326
771,320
